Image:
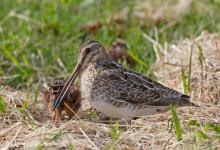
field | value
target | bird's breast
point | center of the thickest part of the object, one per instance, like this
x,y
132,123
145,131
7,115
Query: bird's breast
x,y
87,82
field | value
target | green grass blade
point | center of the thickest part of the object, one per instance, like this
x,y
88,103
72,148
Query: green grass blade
x,y
137,59
215,128
11,57
189,72
201,134
176,123
183,76
201,56
13,60
40,146
70,146
110,146
3,106
193,123
114,132
26,102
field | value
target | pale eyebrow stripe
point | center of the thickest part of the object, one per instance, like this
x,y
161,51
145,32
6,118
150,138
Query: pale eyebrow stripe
x,y
90,45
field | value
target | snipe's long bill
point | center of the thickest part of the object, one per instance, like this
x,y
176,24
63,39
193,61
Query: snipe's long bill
x,y
115,90
66,87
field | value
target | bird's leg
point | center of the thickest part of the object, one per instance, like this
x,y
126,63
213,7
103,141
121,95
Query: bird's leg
x,y
103,117
129,123
55,116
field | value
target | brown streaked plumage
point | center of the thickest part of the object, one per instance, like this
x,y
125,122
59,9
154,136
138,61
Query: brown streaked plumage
x,y
115,90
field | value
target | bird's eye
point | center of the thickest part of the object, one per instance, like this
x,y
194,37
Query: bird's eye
x,y
88,50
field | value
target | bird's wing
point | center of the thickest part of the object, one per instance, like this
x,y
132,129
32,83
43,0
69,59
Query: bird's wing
x,y
134,88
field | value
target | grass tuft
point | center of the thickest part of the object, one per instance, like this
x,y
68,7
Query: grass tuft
x,y
40,146
70,147
54,136
176,123
201,134
110,146
187,80
114,132
3,107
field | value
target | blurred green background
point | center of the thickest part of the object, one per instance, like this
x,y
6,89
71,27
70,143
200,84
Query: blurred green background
x,y
39,38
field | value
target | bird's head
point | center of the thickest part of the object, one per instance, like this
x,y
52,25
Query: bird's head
x,y
90,52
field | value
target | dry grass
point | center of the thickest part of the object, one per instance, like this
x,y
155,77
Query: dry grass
x,y
30,127
205,76
160,10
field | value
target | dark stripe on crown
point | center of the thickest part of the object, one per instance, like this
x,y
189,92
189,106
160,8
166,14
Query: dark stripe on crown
x,y
87,43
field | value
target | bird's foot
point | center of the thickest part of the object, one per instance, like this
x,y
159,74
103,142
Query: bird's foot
x,y
55,117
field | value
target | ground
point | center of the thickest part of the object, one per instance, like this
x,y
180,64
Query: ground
x,y
38,44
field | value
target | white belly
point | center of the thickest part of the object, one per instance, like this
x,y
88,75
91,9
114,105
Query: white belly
x,y
126,112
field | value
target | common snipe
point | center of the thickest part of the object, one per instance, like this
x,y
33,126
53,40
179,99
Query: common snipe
x,y
115,90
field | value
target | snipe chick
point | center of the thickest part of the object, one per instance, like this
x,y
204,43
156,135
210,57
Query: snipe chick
x,y
115,90
71,102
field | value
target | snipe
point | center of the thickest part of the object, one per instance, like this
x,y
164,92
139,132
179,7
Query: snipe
x,y
115,90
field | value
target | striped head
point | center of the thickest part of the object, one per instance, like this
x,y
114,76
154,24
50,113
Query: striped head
x,y
90,52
